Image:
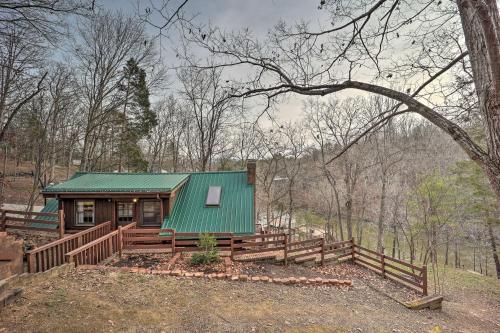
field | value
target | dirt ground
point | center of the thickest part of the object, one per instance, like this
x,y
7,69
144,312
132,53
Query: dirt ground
x,y
111,301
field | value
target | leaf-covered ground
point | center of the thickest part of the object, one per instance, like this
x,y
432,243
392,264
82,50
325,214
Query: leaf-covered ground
x,y
111,301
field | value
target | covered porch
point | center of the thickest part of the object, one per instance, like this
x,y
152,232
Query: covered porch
x,y
90,199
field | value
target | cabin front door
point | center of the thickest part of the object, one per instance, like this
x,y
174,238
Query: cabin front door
x,y
151,213
125,212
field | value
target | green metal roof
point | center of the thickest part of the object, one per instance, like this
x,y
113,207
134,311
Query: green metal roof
x,y
52,206
119,182
234,214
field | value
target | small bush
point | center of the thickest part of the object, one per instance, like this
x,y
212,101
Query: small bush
x,y
204,258
208,244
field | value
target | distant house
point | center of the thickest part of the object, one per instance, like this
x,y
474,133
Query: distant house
x,y
187,202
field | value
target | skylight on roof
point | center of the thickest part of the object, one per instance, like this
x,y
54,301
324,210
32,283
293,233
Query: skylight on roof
x,y
213,196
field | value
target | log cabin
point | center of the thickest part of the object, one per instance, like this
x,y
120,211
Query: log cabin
x,y
219,201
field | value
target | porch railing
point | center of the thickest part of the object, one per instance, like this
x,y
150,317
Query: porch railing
x,y
99,249
34,221
53,254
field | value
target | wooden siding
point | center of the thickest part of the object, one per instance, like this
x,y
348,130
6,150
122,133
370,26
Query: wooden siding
x,y
105,210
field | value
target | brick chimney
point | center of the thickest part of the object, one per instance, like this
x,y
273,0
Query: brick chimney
x,y
251,180
251,167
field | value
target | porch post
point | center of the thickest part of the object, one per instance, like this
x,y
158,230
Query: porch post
x,y
161,211
120,241
114,220
61,223
61,219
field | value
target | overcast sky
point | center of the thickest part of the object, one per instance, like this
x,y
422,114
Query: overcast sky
x,y
257,15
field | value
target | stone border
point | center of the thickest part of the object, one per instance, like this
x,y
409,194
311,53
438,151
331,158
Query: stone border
x,y
240,277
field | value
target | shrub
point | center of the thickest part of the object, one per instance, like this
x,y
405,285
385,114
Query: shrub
x,y
208,244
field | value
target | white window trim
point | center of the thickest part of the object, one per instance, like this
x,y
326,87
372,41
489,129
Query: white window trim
x,y
118,211
76,214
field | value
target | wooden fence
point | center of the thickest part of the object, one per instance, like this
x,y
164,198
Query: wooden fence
x,y
305,248
53,254
341,250
22,220
93,245
276,245
243,245
394,269
97,250
152,240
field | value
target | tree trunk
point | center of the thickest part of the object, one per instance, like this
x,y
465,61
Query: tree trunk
x,y
481,26
447,247
380,225
395,240
493,245
290,210
348,219
339,215
474,258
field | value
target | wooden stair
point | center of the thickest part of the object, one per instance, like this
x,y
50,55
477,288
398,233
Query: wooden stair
x,y
433,302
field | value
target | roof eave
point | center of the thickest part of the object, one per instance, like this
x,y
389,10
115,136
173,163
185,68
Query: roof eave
x,y
50,194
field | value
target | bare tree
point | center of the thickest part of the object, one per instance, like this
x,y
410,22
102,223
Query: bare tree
x,y
387,155
293,151
20,79
165,141
333,126
45,18
210,113
105,43
298,60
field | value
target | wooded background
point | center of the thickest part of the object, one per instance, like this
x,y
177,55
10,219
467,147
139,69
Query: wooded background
x,y
411,168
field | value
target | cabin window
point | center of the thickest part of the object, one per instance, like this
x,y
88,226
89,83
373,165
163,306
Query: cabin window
x,y
151,212
125,212
85,213
213,196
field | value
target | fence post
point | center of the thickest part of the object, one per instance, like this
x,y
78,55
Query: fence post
x,y
382,263
173,242
120,241
352,249
232,247
31,262
110,246
322,251
61,223
285,251
4,220
424,278
69,259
